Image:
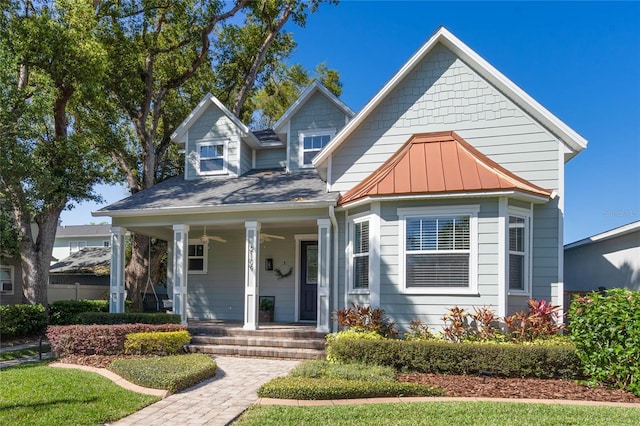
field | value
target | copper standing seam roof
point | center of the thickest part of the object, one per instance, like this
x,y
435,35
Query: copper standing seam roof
x,y
439,163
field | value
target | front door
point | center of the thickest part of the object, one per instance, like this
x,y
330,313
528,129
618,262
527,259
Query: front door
x,y
308,280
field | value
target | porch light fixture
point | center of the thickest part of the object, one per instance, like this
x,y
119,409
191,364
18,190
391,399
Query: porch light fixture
x,y
268,264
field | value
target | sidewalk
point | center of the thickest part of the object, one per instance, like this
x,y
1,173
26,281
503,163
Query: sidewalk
x,y
216,401
35,345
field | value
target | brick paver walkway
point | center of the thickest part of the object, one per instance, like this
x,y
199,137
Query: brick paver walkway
x,y
217,401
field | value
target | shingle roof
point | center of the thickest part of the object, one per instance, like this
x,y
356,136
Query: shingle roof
x,y
439,163
83,231
267,137
257,187
89,260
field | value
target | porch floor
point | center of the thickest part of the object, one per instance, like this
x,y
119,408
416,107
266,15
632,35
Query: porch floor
x,y
294,326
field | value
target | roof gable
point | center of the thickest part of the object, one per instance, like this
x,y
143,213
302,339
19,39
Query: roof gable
x,y
439,163
180,134
306,94
573,142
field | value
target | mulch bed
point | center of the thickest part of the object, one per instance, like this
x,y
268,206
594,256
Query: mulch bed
x,y
498,387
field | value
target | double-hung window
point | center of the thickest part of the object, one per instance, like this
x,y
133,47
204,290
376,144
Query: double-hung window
x,y
6,279
439,250
75,246
197,257
360,255
311,143
518,253
212,157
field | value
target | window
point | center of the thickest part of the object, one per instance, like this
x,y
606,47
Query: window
x,y
106,243
211,158
518,259
312,143
197,258
360,256
439,250
6,279
75,246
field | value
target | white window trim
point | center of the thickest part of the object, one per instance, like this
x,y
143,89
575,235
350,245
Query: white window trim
x,y
225,156
13,281
311,133
468,210
71,250
205,254
352,221
525,214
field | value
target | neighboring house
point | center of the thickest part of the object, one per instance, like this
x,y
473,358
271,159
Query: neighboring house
x,y
83,275
610,259
446,189
72,238
10,281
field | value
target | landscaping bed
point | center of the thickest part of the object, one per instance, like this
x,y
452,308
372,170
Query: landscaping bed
x,y
499,387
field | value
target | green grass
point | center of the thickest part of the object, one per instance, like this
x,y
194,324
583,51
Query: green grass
x,y
35,394
22,353
173,373
441,413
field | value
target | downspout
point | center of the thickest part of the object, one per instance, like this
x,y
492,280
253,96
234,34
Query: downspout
x,y
334,222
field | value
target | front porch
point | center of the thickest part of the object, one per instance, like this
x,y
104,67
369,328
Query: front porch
x,y
219,269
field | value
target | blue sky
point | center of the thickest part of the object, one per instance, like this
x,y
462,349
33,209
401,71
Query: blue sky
x,y
581,60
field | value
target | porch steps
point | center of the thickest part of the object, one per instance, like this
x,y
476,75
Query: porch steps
x,y
274,342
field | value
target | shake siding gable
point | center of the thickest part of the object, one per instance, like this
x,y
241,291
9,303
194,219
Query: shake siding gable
x,y
443,93
213,124
317,113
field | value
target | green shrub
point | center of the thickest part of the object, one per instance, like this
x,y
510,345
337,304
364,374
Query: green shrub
x,y
505,360
173,373
605,327
22,321
156,343
333,388
320,368
127,318
349,334
65,312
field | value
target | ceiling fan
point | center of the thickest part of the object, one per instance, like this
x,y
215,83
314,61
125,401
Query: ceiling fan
x,y
205,238
268,237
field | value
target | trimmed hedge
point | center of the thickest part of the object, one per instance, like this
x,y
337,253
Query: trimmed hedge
x,y
127,318
173,373
503,360
332,388
156,343
22,321
65,312
98,339
319,368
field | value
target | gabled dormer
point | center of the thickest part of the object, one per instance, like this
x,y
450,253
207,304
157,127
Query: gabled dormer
x,y
215,141
309,124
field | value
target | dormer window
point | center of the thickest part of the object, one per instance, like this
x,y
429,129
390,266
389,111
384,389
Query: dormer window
x,y
311,143
212,157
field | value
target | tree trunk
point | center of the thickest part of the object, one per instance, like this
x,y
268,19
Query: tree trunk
x,y
36,257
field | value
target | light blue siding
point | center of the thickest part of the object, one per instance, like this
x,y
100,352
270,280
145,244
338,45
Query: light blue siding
x,y
271,158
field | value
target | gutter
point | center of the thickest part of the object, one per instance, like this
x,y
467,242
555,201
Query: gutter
x,y
334,222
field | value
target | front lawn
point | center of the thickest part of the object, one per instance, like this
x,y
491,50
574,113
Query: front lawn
x,y
35,394
441,413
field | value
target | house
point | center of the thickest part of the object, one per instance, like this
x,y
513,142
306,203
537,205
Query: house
x,y
609,259
10,280
82,275
72,238
447,188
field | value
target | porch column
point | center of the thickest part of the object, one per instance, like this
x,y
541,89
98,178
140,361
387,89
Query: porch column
x,y
116,279
180,250
251,291
324,272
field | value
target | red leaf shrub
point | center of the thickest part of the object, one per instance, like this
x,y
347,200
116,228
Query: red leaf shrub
x,y
98,339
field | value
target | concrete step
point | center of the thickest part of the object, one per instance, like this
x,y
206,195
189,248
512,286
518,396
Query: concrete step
x,y
264,341
257,351
284,332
